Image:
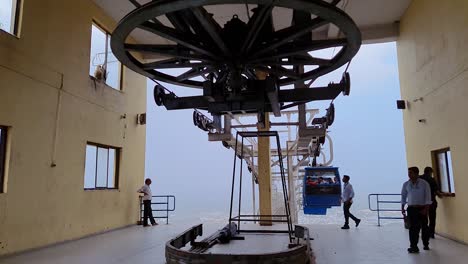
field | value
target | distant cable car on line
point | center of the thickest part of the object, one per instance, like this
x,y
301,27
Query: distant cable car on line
x,y
322,189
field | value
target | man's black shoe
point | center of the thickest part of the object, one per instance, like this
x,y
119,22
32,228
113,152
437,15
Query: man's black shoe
x,y
432,236
357,222
413,250
345,227
426,248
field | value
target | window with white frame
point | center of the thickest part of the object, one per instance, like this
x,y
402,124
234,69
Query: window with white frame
x,y
101,167
9,16
104,66
443,165
3,142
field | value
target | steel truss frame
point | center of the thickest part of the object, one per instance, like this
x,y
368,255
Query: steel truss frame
x,y
261,218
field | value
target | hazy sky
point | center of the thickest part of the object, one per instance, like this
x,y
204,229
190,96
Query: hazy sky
x,y
5,14
367,134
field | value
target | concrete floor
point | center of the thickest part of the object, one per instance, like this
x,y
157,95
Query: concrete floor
x,y
366,244
386,244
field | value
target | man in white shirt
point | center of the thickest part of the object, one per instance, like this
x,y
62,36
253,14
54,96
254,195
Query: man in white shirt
x,y
347,198
147,195
416,193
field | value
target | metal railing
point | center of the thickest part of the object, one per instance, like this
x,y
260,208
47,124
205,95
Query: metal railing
x,y
379,203
159,201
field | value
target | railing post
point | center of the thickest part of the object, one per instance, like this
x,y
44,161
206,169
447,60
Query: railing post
x,y
384,202
140,221
378,210
157,203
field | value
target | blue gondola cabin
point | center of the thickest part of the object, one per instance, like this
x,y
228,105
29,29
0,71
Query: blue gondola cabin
x,y
322,189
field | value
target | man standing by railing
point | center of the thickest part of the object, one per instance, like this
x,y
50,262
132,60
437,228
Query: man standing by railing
x,y
417,193
147,195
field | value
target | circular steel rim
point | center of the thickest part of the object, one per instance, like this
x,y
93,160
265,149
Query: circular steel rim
x,y
154,9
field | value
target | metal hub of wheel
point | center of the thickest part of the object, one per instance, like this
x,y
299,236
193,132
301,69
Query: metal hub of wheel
x,y
237,61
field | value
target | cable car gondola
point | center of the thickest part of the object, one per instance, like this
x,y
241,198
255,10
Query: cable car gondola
x,y
322,189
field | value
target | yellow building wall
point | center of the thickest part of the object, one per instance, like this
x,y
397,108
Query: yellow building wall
x,y
433,65
50,60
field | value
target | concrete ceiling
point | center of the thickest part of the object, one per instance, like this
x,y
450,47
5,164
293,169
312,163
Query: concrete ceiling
x,y
375,18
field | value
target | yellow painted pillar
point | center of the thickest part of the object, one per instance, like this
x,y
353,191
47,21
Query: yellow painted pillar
x,y
264,173
264,164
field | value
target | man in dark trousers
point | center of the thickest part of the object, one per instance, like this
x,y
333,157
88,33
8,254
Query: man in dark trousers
x,y
435,191
347,198
416,193
147,195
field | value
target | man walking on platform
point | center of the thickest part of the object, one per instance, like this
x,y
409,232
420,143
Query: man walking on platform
x,y
435,191
416,193
347,198
147,211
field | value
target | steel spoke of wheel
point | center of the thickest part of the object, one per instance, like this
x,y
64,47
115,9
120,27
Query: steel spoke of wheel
x,y
177,20
256,23
306,59
198,29
211,27
173,35
173,63
194,73
166,50
298,48
286,35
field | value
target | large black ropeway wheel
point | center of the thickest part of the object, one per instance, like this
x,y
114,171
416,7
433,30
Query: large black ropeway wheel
x,y
190,38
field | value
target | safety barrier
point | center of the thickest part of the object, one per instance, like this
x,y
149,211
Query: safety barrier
x,y
380,203
159,201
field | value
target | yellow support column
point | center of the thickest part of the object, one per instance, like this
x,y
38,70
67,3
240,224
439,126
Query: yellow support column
x,y
264,164
264,173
